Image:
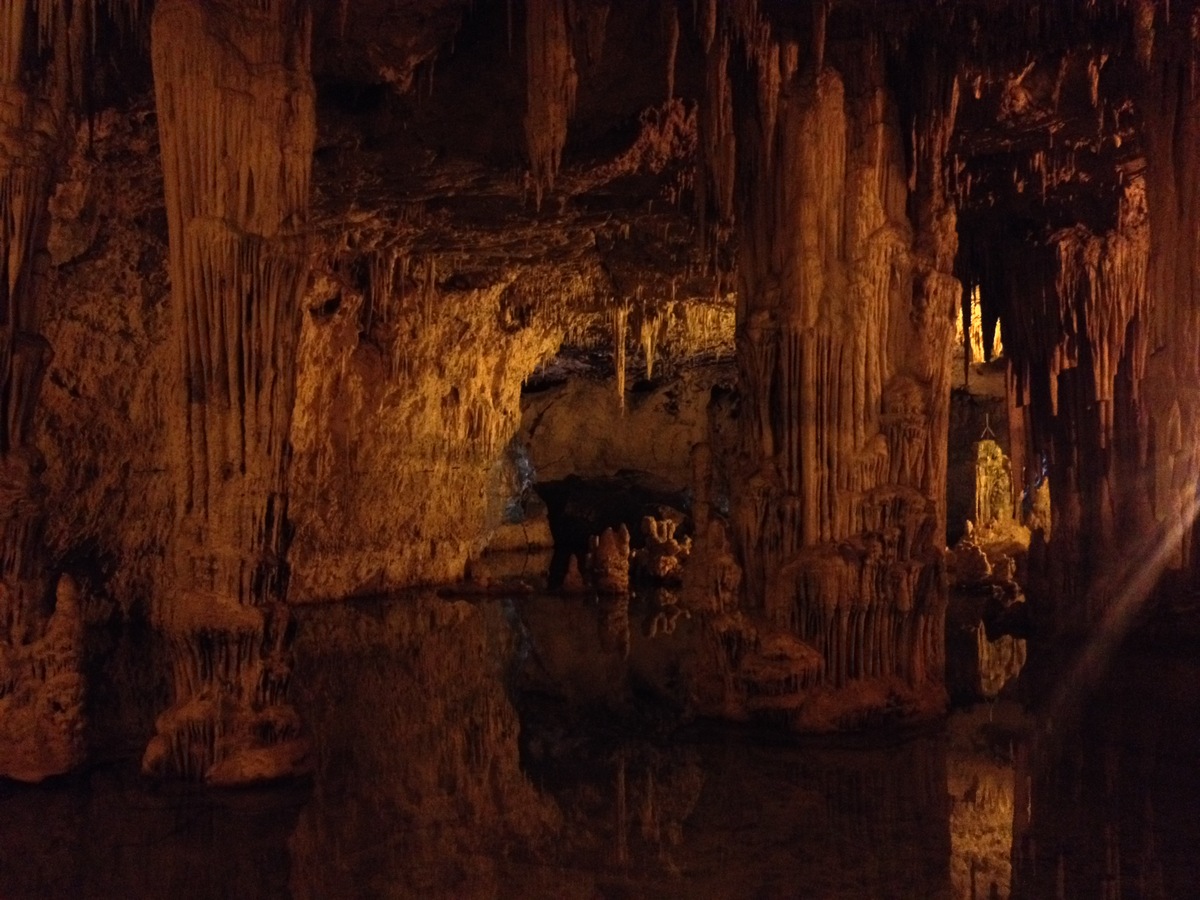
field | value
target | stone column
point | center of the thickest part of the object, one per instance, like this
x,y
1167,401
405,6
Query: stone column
x,y
41,685
845,321
237,124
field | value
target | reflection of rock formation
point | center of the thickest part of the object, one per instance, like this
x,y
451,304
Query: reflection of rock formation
x,y
1106,788
695,822
608,561
979,780
418,783
75,840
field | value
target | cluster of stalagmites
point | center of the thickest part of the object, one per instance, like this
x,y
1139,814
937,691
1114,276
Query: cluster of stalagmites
x,y
41,686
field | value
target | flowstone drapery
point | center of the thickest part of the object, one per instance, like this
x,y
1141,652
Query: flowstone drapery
x,y
237,125
1103,338
41,683
846,314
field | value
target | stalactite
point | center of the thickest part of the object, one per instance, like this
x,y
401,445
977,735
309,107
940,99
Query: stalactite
x,y
1103,283
717,159
671,24
653,331
12,33
550,90
620,322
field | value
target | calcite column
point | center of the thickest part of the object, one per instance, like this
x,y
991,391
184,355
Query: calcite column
x,y
845,322
1169,98
1106,366
41,687
237,125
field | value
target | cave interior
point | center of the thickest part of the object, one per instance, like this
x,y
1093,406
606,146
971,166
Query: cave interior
x,y
599,448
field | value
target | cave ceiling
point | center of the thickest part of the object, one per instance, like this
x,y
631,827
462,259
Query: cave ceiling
x,y
421,110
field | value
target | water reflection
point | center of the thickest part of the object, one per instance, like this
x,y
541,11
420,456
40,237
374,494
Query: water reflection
x,y
1108,803
110,834
428,786
723,818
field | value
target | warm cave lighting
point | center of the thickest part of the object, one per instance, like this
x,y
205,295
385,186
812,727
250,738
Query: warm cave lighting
x,y
331,566
1132,582
973,340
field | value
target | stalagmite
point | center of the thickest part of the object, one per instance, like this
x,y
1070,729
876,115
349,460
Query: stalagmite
x,y
237,125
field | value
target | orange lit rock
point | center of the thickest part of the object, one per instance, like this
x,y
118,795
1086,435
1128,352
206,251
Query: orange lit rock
x,y
41,681
846,314
742,219
237,124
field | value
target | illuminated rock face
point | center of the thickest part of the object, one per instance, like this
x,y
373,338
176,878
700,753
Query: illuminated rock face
x,y
846,313
237,125
402,422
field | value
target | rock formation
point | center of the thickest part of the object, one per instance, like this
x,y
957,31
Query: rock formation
x,y
41,685
664,556
1096,321
236,118
846,310
282,284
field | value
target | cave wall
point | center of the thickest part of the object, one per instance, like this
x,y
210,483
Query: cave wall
x,y
401,424
579,427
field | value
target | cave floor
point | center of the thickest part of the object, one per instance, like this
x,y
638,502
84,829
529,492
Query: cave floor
x,y
988,802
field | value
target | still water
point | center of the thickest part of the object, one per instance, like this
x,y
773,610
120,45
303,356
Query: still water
x,y
426,785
